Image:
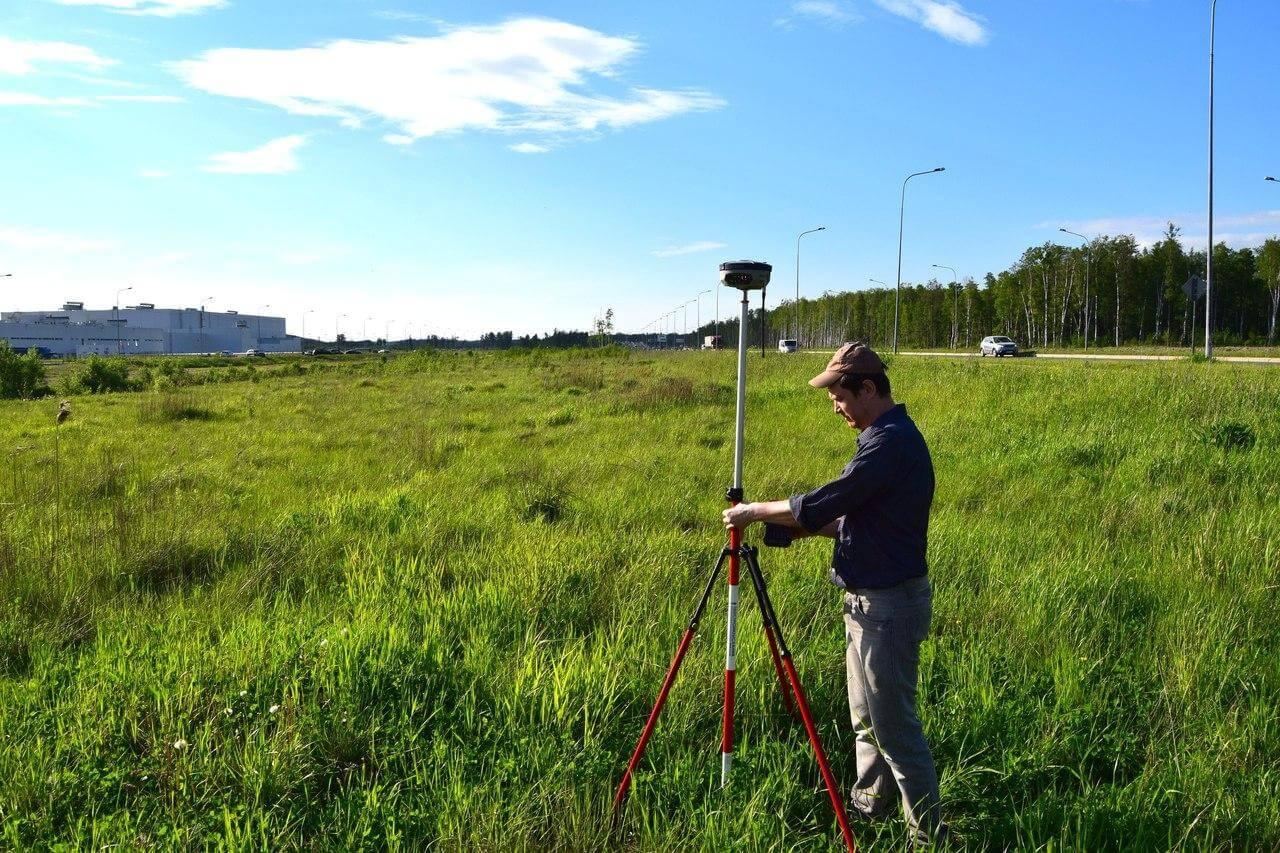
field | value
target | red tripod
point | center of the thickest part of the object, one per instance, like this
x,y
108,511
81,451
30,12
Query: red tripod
x,y
745,276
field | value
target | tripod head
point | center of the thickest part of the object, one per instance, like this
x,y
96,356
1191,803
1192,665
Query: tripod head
x,y
745,275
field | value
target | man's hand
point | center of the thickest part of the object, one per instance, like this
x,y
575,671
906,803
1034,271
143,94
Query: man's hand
x,y
740,516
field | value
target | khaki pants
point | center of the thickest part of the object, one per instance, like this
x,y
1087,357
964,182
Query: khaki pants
x,y
883,632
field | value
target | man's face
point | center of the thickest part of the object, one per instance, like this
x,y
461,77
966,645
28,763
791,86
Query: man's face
x,y
850,405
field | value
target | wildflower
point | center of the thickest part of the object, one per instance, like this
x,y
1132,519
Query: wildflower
x,y
324,643
179,744
273,709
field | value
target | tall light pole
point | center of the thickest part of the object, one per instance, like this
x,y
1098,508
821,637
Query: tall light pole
x,y
203,340
955,311
699,298
1208,255
304,321
1088,261
118,292
364,328
260,310
897,294
798,236
335,326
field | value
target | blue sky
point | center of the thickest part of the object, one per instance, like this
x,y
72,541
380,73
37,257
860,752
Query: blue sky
x,y
471,166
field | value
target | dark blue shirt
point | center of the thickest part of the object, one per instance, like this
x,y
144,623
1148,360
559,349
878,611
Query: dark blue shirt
x,y
882,501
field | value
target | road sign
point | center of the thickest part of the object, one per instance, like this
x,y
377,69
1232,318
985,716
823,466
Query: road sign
x,y
1194,288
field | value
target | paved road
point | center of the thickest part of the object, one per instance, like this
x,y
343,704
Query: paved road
x,y
1246,359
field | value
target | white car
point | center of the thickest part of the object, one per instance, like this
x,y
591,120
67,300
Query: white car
x,y
788,345
998,345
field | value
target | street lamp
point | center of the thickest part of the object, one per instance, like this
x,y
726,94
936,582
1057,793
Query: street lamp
x,y
1088,261
1208,279
260,310
203,340
364,328
798,236
335,326
699,298
902,206
118,292
955,310
304,321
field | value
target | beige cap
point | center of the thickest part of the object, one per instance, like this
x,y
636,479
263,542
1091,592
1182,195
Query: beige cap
x,y
856,357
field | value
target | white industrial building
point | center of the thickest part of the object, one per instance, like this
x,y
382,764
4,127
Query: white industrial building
x,y
143,330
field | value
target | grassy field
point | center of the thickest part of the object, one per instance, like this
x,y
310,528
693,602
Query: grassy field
x,y
428,603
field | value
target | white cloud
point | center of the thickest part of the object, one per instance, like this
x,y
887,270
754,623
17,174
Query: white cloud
x,y
22,57
274,158
38,239
687,249
160,8
830,12
529,148
24,99
528,75
142,99
944,17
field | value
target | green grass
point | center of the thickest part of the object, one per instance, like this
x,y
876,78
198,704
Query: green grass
x,y
429,604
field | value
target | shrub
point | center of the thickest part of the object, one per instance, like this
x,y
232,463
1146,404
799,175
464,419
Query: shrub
x,y
99,376
21,376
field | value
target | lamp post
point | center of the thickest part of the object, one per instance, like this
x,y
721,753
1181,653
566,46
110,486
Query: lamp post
x,y
902,207
364,328
1208,255
883,284
260,310
1088,261
203,340
798,236
117,321
335,326
955,311
304,321
699,300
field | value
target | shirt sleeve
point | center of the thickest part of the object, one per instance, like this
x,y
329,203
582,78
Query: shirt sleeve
x,y
868,475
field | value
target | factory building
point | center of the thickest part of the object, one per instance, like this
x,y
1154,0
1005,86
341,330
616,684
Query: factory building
x,y
143,330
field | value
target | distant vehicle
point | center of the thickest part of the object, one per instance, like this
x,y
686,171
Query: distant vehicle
x,y
788,345
711,342
254,353
224,352
352,351
321,351
998,345
382,352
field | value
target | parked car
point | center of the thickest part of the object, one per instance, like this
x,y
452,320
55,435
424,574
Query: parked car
x,y
998,345
254,353
788,345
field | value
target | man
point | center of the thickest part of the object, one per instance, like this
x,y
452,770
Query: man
x,y
877,510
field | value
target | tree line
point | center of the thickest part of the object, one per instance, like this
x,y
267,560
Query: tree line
x,y
1111,292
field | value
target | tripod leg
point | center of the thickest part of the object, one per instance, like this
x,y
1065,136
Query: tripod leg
x,y
771,618
730,657
757,581
625,785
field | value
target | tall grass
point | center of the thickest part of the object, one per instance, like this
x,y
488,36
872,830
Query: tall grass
x,y
432,609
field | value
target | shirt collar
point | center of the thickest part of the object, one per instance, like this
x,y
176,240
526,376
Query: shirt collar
x,y
891,416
